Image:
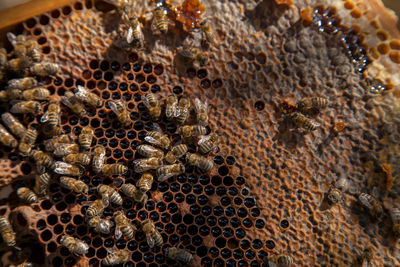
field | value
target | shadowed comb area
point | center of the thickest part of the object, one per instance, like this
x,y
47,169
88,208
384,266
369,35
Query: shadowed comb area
x,y
266,195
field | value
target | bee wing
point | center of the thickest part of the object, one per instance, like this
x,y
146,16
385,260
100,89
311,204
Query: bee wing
x,y
60,167
106,200
113,107
66,101
4,131
152,140
118,182
118,233
156,127
198,105
365,264
129,35
12,38
203,139
150,241
165,176
365,201
81,93
45,117
149,149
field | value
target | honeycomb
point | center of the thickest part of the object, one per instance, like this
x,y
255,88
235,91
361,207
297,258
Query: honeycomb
x,y
266,194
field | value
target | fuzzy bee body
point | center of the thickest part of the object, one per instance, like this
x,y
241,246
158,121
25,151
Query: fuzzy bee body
x,y
193,130
33,50
145,182
132,192
209,143
153,105
334,196
116,257
184,107
41,183
113,169
167,171
24,107
160,21
206,29
44,69
119,108
134,35
149,151
143,165
3,57
201,109
18,65
153,237
63,149
179,254
71,101
99,154
86,137
158,138
201,162
109,194
53,115
27,141
36,94
64,168
73,184
309,103
52,144
74,245
191,54
7,232
43,159
6,138
89,98
395,215
96,208
123,226
13,124
304,122
77,158
372,204
100,225
171,109
19,44
26,195
22,83
176,152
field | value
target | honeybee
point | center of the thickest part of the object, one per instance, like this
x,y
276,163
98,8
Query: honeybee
x,y
208,32
153,237
153,104
18,65
33,50
73,184
18,42
71,101
132,192
89,98
302,121
86,137
192,54
77,158
193,130
372,204
334,196
168,171
142,165
74,245
49,131
43,159
201,162
280,261
22,83
52,144
6,138
179,254
149,151
184,106
7,232
209,143
13,124
201,109
109,194
145,182
100,225
63,168
123,226
99,154
135,34
113,169
156,137
27,141
176,152
39,93
44,68
3,57
366,257
171,109
309,103
26,195
41,183
23,107
4,94
119,108
64,149
53,115
95,208
395,215
160,21
116,257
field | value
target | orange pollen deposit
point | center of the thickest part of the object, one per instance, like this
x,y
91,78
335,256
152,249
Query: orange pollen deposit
x,y
190,13
339,126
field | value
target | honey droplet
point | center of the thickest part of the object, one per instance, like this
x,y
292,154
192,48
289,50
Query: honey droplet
x,y
339,126
395,44
306,15
395,57
356,13
349,4
383,48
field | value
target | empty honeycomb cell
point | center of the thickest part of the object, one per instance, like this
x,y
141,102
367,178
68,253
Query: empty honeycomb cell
x,y
177,90
66,10
41,224
46,205
44,20
26,168
260,223
52,219
151,79
46,235
246,222
245,192
205,83
259,105
55,14
30,23
57,261
195,209
101,253
58,229
284,224
104,65
70,229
